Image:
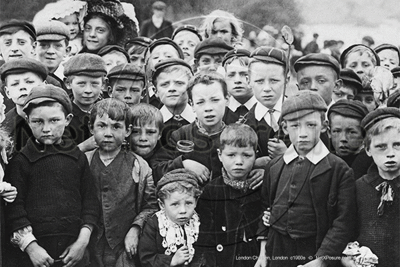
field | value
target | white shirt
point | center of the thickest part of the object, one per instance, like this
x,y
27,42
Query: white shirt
x,y
187,114
234,104
261,112
316,154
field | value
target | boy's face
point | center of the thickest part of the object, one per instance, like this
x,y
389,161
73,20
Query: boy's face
x,y
210,63
179,207
113,59
267,81
368,100
237,80
361,64
51,53
144,139
18,86
344,92
304,132
385,151
320,79
346,135
187,41
72,23
109,134
237,161
48,123
137,59
389,58
222,29
172,88
15,46
162,52
86,90
127,91
209,102
396,83
96,33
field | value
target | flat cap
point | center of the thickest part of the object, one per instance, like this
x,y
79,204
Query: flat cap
x,y
110,48
212,46
141,41
395,71
48,92
317,59
85,64
378,115
349,108
269,54
381,47
167,63
189,28
52,31
178,175
166,41
394,99
23,65
159,5
349,76
235,53
14,25
354,47
303,103
127,71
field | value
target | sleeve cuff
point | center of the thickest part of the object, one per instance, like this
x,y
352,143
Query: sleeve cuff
x,y
23,237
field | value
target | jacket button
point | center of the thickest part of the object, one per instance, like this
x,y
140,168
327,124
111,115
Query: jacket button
x,y
220,247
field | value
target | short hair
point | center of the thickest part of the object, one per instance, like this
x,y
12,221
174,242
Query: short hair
x,y
179,186
333,113
207,79
143,114
48,103
171,69
254,60
136,49
243,61
14,30
361,50
115,109
380,127
218,15
70,78
47,41
238,135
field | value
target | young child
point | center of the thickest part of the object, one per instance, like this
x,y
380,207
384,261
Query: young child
x,y
169,236
125,185
228,208
241,98
187,37
351,84
113,55
366,96
396,76
378,190
171,80
126,83
309,191
19,77
136,49
56,208
389,55
347,135
85,76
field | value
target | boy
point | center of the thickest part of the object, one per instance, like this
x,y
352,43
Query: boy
x,y
350,86
126,83
267,78
126,188
389,55
171,80
241,98
396,75
347,135
309,191
56,207
136,49
228,209
19,77
113,55
187,37
85,75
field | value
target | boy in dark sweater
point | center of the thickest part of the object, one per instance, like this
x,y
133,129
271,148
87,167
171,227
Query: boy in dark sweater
x,y
56,207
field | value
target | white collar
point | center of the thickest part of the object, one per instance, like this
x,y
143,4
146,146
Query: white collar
x,y
261,110
187,114
316,154
234,104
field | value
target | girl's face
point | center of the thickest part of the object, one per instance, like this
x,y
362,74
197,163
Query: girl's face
x,y
72,23
222,29
361,63
97,34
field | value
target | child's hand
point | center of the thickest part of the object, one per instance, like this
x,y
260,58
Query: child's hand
x,y
318,262
88,145
181,256
73,254
256,178
132,241
8,192
202,171
38,255
261,162
276,147
266,217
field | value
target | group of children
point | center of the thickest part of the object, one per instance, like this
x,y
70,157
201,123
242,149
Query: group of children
x,y
187,151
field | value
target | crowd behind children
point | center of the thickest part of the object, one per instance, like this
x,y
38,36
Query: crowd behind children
x,y
181,145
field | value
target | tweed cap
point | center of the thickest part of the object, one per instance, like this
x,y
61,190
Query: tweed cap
x,y
48,92
212,46
189,28
167,63
235,53
317,59
396,72
178,175
349,76
110,48
349,108
85,64
127,71
23,65
141,41
378,115
166,41
381,47
15,25
269,54
52,31
354,46
303,103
